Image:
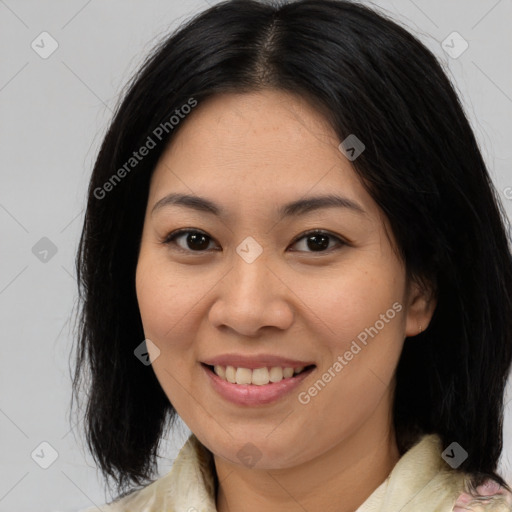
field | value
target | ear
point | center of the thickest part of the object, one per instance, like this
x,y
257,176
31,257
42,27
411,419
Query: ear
x,y
420,306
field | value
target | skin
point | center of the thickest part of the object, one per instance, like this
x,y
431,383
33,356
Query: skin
x,y
250,153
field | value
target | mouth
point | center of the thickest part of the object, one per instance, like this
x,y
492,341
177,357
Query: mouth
x,y
255,387
257,376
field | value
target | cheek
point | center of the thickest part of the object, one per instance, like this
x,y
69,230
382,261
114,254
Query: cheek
x,y
354,301
166,304
360,349
167,300
364,312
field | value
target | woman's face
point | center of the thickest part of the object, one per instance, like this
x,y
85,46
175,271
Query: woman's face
x,y
252,290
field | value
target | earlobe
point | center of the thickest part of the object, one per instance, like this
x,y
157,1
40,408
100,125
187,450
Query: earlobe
x,y
420,307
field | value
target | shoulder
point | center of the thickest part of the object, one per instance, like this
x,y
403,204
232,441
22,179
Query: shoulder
x,y
189,485
149,498
488,497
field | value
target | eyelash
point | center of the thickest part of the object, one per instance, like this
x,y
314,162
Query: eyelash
x,y
171,237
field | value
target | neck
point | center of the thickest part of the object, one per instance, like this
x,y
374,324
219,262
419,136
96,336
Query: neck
x,y
339,480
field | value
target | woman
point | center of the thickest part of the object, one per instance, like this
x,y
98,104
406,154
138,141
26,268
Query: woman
x,y
292,241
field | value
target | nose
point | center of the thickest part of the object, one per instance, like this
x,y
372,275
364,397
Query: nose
x,y
251,297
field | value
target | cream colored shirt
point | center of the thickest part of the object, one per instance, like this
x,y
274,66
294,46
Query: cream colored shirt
x,y
421,481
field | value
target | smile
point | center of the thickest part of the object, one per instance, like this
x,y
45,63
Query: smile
x,y
257,376
269,385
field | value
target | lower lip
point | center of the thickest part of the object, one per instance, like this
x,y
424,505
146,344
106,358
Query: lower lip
x,y
251,394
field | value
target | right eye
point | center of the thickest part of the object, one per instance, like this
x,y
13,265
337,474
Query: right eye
x,y
197,241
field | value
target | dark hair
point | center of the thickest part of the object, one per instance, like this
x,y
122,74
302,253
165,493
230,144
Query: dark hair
x,y
422,166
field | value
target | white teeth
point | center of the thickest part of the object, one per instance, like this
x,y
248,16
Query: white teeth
x,y
287,373
258,376
220,371
230,374
276,374
243,376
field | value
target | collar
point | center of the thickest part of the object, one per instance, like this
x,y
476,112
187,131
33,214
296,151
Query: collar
x,y
420,481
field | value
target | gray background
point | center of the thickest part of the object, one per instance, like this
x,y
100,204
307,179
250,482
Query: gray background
x,y
54,112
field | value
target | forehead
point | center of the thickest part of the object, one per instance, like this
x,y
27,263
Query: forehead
x,y
255,148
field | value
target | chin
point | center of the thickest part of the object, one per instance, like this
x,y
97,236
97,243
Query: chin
x,y
259,451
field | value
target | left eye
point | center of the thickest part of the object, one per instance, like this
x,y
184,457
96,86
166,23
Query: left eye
x,y
197,241
318,240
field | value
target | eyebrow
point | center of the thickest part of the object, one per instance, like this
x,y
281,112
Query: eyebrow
x,y
299,207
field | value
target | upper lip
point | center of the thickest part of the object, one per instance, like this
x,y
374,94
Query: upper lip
x,y
252,362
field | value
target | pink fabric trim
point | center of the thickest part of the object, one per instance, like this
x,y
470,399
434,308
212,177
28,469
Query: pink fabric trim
x,y
489,488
